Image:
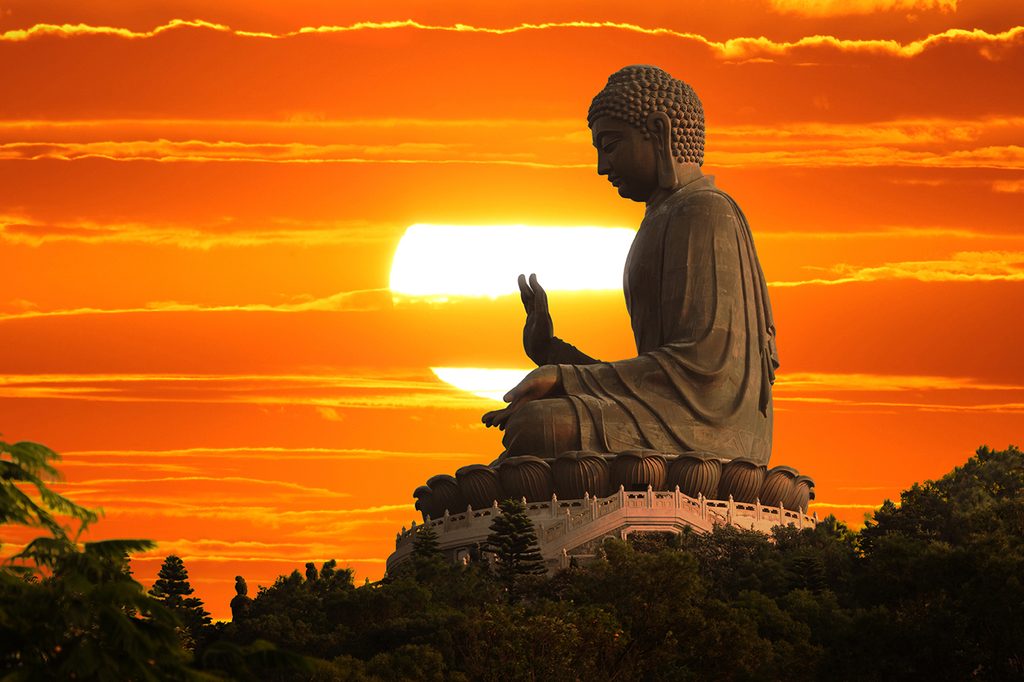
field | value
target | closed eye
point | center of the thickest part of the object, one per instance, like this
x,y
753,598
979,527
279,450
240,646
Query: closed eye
x,y
608,141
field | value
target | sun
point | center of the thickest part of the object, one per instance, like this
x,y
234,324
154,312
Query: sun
x,y
442,261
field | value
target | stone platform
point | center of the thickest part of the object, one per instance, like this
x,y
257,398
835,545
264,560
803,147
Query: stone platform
x,y
575,529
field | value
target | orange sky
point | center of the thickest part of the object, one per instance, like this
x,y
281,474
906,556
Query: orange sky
x,y
199,206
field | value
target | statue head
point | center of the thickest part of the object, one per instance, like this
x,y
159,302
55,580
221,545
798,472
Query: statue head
x,y
240,587
646,125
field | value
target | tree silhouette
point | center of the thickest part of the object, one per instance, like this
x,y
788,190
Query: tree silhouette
x,y
425,543
70,612
513,543
32,465
172,588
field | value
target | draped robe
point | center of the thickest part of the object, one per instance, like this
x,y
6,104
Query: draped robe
x,y
705,339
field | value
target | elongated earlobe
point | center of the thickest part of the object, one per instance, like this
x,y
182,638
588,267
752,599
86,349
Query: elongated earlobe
x,y
661,129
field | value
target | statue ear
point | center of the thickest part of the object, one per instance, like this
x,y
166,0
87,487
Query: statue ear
x,y
661,128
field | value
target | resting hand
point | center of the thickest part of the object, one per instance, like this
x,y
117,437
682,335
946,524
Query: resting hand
x,y
539,383
539,329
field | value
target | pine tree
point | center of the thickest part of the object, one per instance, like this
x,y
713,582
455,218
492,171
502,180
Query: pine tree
x,y
173,589
425,543
513,542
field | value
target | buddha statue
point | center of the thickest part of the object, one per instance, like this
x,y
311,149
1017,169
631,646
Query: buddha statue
x,y
698,304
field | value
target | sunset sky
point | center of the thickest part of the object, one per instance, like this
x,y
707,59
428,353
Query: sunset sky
x,y
200,204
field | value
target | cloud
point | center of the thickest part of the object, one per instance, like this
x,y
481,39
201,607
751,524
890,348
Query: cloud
x,y
269,453
225,550
347,301
829,8
226,233
220,480
999,157
203,151
886,392
965,266
330,414
384,518
920,132
798,382
732,48
318,391
899,233
986,142
843,505
1008,186
894,406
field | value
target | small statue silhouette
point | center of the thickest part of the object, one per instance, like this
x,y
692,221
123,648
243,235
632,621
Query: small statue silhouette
x,y
241,602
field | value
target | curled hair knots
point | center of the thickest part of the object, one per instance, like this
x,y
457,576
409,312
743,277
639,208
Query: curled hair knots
x,y
635,92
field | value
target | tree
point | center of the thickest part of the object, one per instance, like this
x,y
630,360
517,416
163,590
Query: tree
x,y
172,588
513,542
425,543
941,577
68,611
31,465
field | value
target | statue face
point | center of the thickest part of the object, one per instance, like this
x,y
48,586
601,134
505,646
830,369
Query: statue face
x,y
626,158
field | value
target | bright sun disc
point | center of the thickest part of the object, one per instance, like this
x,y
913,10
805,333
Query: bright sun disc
x,y
464,260
485,383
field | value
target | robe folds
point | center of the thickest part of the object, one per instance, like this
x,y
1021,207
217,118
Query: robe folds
x,y
705,339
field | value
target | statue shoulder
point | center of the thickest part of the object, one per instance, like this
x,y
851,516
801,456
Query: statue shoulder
x,y
703,204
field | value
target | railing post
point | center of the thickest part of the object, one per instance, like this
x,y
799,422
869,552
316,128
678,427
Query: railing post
x,y
729,509
650,496
554,506
677,498
446,517
782,515
622,496
757,508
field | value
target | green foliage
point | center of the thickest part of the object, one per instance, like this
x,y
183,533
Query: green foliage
x,y
31,465
942,575
425,543
931,589
174,591
513,543
96,622
69,612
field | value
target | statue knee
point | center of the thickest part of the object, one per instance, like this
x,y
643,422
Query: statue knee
x,y
544,428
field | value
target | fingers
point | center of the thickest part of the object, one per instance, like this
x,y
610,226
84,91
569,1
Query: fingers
x,y
538,292
526,294
497,418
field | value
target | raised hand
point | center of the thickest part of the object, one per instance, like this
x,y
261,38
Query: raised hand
x,y
539,383
539,329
